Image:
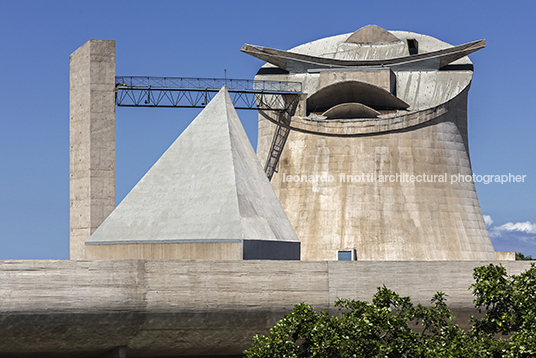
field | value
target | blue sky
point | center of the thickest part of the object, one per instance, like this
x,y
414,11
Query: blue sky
x,y
202,39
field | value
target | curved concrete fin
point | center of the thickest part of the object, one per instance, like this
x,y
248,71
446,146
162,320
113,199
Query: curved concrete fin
x,y
372,34
207,187
351,110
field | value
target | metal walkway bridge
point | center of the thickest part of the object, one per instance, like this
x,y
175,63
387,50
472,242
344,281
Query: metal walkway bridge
x,y
182,92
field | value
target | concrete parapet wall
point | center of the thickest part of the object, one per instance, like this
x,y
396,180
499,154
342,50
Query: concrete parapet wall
x,y
505,255
244,250
177,251
180,308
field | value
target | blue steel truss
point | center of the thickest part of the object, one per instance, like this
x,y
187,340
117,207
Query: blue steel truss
x,y
181,92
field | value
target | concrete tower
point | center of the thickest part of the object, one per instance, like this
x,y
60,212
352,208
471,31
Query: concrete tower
x,y
92,140
377,161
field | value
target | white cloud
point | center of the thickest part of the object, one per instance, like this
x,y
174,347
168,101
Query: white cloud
x,y
487,220
524,229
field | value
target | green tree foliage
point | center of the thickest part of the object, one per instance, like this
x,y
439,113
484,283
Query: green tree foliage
x,y
521,257
509,303
392,326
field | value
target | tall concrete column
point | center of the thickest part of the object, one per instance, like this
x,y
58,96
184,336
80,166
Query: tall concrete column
x,y
92,140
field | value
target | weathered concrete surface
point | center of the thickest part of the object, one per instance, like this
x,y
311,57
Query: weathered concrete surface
x,y
505,255
206,194
168,251
384,220
381,77
354,186
180,308
92,140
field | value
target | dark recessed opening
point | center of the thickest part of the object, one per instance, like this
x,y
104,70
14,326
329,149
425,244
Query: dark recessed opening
x,y
352,91
345,255
413,46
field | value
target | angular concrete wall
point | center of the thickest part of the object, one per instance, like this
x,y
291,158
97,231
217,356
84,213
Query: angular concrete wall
x,y
92,140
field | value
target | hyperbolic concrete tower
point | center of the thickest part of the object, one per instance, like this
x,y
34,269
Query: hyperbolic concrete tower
x,y
377,162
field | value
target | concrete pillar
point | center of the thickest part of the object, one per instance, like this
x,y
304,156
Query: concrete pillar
x,y
92,140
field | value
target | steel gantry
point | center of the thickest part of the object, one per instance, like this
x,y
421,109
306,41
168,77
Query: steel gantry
x,y
182,92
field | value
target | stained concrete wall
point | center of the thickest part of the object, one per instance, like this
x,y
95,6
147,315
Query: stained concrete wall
x,y
384,220
383,78
92,140
176,251
505,255
243,250
180,308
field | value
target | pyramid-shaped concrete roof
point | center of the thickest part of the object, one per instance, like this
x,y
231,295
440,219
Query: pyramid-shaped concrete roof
x,y
207,187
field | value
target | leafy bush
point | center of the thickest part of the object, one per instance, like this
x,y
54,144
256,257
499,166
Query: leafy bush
x,y
392,326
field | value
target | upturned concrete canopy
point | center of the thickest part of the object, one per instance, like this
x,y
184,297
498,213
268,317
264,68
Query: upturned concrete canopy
x,y
208,187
